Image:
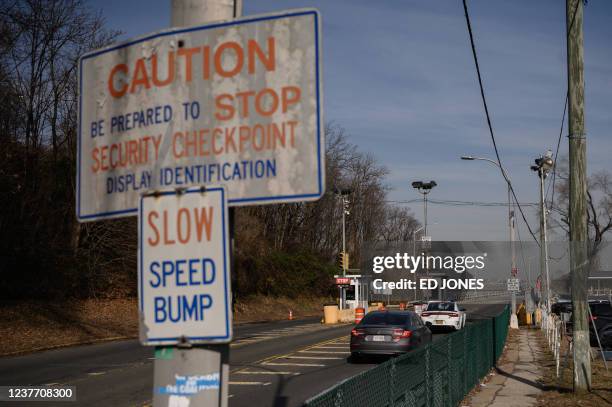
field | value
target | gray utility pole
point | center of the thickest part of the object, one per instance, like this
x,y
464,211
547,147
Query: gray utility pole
x,y
188,358
577,196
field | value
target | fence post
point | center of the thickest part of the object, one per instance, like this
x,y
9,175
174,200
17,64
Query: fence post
x,y
427,377
464,360
392,374
449,368
494,340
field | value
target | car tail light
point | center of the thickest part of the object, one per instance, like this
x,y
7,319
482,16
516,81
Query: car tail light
x,y
425,314
453,315
593,318
402,333
357,332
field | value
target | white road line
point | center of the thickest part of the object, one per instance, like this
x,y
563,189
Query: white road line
x,y
293,364
268,372
329,347
250,383
96,373
312,357
323,351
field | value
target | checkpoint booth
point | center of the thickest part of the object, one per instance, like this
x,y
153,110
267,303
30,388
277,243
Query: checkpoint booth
x,y
353,290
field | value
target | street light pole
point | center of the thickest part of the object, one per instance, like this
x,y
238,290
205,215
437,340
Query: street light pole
x,y
543,165
424,188
513,318
545,238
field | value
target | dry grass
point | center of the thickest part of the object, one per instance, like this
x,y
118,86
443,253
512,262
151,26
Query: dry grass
x,y
36,325
559,390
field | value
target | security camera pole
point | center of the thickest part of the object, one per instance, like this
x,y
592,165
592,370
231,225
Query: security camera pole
x,y
577,195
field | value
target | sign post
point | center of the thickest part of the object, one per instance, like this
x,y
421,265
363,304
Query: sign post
x,y
236,103
513,284
184,293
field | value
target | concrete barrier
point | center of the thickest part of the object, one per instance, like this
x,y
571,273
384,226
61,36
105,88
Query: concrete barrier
x,y
330,314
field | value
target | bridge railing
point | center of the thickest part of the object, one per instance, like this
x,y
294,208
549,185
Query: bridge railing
x,y
439,374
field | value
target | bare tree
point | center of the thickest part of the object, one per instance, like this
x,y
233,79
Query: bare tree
x,y
599,203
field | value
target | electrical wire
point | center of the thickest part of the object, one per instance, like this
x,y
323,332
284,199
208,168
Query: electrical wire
x,y
486,108
554,169
459,203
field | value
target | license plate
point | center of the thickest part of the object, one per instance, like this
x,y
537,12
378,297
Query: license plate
x,y
378,338
439,322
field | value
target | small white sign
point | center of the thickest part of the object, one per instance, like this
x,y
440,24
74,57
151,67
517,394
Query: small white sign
x,y
184,267
513,284
236,103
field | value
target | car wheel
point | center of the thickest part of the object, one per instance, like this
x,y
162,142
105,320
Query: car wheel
x,y
354,358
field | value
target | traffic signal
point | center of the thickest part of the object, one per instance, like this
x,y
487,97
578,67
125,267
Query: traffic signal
x,y
344,260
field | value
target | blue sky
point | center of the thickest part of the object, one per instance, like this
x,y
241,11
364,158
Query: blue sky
x,y
400,78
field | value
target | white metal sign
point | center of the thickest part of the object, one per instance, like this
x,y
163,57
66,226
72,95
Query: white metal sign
x,y
513,284
235,103
183,267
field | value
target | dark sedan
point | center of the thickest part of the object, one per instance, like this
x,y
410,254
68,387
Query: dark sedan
x,y
601,312
388,333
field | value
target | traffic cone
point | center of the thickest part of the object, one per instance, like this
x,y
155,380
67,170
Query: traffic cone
x,y
290,315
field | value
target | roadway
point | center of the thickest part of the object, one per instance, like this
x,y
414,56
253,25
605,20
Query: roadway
x,y
277,364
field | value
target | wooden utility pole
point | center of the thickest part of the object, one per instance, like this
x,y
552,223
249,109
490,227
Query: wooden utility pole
x,y
578,194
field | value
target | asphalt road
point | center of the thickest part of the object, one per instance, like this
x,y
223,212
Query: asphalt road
x,y
272,364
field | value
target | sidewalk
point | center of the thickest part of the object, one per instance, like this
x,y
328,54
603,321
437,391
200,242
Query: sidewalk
x,y
515,382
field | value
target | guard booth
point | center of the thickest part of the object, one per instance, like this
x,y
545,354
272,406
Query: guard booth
x,y
353,290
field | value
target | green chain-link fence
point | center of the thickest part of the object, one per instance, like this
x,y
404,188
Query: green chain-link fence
x,y
437,375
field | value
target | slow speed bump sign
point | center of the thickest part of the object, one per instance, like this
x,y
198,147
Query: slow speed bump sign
x,y
183,267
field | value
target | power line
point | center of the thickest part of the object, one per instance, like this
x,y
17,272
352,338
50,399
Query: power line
x,y
460,203
484,102
552,197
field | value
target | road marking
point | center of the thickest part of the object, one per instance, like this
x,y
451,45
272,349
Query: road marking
x,y
268,372
250,383
331,347
323,351
293,364
96,373
312,357
268,361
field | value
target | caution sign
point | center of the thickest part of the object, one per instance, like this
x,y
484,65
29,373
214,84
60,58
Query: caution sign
x,y
236,103
183,267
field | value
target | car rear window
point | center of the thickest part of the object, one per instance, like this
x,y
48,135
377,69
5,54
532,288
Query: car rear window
x,y
385,319
601,309
441,306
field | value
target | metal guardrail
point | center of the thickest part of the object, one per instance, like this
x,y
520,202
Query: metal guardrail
x,y
437,375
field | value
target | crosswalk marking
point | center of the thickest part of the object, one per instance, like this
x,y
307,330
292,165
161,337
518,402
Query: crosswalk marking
x,y
294,364
267,372
312,357
250,383
324,351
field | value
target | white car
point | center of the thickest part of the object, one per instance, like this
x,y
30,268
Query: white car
x,y
444,314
